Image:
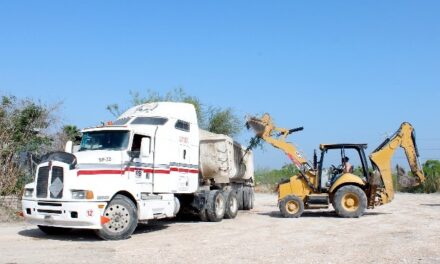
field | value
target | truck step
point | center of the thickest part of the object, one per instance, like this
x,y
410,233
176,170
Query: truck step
x,y
159,216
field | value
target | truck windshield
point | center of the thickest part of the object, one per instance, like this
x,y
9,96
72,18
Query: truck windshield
x,y
104,140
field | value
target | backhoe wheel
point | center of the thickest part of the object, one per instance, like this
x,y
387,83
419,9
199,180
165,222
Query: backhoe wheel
x,y
248,198
53,230
231,209
215,207
291,206
123,219
350,201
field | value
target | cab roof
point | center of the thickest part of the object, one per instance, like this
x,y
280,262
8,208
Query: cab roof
x,y
343,145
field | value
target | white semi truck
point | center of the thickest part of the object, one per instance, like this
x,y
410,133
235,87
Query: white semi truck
x,y
151,163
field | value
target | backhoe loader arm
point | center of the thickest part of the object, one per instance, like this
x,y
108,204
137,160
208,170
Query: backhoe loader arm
x,y
266,130
382,155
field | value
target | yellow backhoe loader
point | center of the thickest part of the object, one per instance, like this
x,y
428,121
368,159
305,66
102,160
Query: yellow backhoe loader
x,y
315,187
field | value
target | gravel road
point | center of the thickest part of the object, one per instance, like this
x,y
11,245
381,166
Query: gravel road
x,y
404,231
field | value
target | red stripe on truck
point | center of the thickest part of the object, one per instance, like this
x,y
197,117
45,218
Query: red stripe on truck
x,y
133,169
94,172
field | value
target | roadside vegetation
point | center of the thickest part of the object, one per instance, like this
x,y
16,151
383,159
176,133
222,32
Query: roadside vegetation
x,y
431,169
267,179
24,133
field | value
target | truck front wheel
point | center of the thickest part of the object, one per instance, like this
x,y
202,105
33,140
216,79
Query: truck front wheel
x,y
122,215
350,201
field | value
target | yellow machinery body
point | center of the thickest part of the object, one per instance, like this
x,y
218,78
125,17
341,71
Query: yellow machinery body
x,y
350,194
298,186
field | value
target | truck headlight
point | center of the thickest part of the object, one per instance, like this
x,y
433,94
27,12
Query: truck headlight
x,y
28,192
82,194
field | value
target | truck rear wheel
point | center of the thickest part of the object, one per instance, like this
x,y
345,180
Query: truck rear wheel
x,y
215,207
350,201
291,206
248,198
123,218
203,215
231,209
53,230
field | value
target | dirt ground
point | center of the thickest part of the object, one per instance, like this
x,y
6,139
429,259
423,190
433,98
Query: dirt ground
x,y
405,231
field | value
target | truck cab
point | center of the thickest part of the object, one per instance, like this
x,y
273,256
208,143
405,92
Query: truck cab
x,y
137,168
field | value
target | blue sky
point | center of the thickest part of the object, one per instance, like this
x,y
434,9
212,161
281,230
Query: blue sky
x,y
348,71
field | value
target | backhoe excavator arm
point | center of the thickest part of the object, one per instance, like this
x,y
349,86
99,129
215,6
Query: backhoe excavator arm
x,y
266,130
382,155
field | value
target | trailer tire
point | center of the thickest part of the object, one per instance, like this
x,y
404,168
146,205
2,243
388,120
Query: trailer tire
x,y
291,206
248,198
239,194
350,201
215,207
203,215
123,219
231,208
53,230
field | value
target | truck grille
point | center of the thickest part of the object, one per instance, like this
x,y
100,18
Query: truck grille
x,y
42,181
55,188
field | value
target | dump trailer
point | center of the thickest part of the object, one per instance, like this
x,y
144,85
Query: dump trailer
x,y
350,194
151,163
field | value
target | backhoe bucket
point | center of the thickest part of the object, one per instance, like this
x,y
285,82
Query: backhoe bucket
x,y
258,124
404,179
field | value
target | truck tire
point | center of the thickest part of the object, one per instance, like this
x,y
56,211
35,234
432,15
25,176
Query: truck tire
x,y
215,207
52,230
239,194
231,209
123,219
350,201
248,198
291,206
203,215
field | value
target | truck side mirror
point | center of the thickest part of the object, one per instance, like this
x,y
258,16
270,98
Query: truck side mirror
x,y
145,147
69,147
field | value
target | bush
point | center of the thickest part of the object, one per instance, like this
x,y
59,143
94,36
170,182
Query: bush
x,y
267,179
431,169
23,129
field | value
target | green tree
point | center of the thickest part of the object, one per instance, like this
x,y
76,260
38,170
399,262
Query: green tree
x,y
72,133
222,121
431,169
214,119
273,177
24,126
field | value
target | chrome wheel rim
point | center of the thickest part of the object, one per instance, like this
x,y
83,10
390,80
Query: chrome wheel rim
x,y
219,206
119,218
233,205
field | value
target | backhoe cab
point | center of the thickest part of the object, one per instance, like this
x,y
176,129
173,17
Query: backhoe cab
x,y
322,183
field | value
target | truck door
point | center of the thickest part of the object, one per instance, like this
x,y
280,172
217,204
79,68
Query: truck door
x,y
141,169
183,155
